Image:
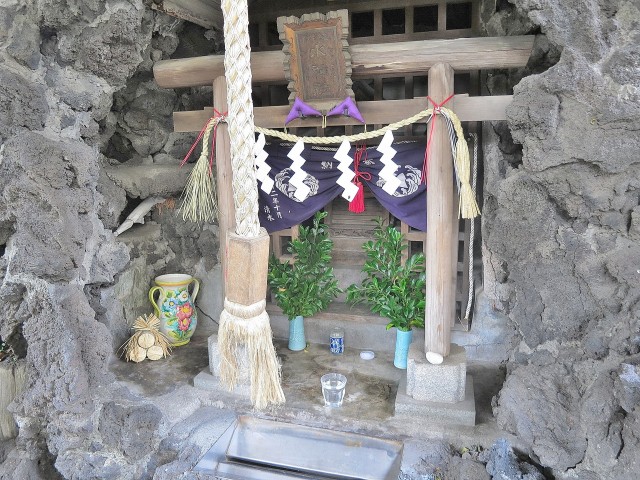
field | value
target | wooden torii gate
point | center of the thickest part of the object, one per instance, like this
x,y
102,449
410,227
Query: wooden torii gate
x,y
440,58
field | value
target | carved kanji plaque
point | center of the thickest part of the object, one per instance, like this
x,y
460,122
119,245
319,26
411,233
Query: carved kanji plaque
x,y
317,59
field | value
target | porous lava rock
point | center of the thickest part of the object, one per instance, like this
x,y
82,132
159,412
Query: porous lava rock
x,y
563,257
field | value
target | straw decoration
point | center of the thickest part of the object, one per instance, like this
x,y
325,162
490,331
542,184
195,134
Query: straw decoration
x,y
199,202
147,341
468,206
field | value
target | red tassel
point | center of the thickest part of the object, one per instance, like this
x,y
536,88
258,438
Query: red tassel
x,y
357,204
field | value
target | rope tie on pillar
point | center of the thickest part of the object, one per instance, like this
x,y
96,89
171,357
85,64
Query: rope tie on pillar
x,y
436,111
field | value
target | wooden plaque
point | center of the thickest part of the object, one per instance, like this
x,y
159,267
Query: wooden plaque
x,y
317,59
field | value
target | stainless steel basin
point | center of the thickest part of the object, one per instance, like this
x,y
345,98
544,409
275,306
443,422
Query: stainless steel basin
x,y
268,450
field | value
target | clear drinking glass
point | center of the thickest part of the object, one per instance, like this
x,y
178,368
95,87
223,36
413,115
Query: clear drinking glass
x,y
333,387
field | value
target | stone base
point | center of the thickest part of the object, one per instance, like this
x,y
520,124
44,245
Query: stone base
x,y
214,361
211,381
205,381
444,383
460,413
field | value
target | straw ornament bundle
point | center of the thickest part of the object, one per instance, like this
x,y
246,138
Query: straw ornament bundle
x,y
199,202
147,341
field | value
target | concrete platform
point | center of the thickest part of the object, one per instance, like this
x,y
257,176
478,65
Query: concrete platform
x,y
371,384
196,417
375,388
460,413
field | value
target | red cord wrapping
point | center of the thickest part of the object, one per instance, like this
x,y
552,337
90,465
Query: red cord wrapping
x,y
427,152
216,114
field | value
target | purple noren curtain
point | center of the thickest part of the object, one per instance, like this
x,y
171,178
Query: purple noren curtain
x,y
280,209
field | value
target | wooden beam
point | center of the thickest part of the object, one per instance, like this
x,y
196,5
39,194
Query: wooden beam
x,y
224,173
441,274
468,109
400,58
201,12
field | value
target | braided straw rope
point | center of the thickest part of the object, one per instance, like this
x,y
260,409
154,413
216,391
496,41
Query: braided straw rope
x,y
358,137
242,193
239,324
472,227
240,119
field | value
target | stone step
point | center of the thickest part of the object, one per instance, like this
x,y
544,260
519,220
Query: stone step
x,y
362,329
438,413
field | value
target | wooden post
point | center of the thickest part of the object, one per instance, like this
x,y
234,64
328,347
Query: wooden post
x,y
224,172
441,274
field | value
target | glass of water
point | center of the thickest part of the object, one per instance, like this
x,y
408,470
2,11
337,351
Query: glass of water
x,y
333,386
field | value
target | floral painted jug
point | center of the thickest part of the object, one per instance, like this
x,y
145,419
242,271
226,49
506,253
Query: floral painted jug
x,y
175,306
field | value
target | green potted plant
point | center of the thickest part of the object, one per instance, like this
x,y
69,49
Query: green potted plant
x,y
391,289
306,285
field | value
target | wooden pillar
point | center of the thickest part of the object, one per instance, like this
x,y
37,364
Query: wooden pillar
x,y
441,274
224,172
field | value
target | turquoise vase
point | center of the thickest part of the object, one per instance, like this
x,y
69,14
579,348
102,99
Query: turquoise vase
x,y
297,341
403,340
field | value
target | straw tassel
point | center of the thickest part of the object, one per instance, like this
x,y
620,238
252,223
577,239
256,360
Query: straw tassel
x,y
199,201
468,205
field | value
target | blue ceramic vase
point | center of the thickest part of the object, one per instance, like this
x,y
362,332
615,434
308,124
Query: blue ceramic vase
x,y
297,341
403,340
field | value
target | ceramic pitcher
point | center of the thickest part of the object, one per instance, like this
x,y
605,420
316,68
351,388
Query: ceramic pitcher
x,y
175,306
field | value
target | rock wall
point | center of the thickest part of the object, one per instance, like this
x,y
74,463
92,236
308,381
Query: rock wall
x,y
561,246
85,135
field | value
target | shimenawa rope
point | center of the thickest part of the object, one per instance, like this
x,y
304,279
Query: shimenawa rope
x,y
474,137
468,205
240,324
237,68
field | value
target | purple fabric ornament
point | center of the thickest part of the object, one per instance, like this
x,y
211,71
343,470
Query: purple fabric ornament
x,y
347,107
301,109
